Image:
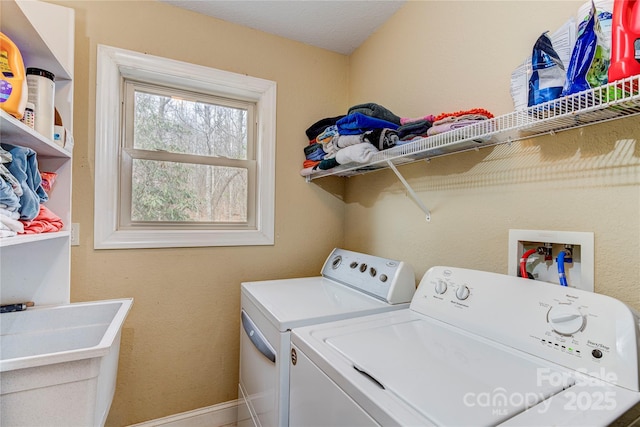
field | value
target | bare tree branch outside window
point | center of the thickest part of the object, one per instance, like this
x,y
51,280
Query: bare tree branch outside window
x,y
178,191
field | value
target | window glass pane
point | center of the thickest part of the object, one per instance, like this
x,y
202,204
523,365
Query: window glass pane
x,y
181,192
183,126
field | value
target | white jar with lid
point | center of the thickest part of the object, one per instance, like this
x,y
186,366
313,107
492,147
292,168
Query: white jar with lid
x,y
42,94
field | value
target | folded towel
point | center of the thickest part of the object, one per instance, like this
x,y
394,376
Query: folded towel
x,y
375,110
445,127
347,140
359,153
481,111
464,117
407,120
327,164
357,123
45,222
413,129
9,223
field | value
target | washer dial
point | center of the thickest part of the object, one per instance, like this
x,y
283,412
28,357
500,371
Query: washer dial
x,y
462,293
441,287
565,320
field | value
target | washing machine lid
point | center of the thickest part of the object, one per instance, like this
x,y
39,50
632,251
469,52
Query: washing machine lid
x,y
290,303
442,374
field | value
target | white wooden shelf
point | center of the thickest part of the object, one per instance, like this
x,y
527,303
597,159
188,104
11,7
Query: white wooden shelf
x,y
37,267
15,132
22,239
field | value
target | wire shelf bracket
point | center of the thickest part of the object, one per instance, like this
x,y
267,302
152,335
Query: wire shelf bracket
x,y
412,193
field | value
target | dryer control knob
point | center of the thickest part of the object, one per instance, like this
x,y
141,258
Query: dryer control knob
x,y
565,320
462,292
441,287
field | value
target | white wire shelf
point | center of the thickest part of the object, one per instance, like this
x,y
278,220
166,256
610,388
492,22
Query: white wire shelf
x,y
608,102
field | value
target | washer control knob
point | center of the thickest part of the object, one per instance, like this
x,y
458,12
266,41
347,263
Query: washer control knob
x,y
441,287
462,292
383,278
565,320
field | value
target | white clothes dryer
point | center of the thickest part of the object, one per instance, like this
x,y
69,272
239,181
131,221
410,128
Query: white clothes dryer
x,y
351,284
473,349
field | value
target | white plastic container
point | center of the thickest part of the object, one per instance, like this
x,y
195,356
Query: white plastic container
x,y
42,94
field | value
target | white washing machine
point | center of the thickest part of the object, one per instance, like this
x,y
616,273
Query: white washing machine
x,y
473,349
352,284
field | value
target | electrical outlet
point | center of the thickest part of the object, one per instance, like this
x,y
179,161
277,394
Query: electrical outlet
x,y
579,272
75,234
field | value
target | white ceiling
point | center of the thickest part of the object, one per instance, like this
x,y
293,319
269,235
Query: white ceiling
x,y
337,25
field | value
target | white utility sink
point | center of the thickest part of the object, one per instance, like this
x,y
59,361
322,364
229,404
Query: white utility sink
x,y
58,364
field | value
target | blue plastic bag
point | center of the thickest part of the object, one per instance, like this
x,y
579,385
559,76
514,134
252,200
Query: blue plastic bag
x,y
590,58
548,74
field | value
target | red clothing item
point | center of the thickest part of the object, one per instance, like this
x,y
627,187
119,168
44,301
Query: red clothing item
x,y
480,111
45,222
310,163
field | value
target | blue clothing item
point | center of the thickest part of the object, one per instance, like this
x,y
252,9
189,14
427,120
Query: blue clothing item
x,y
357,123
8,197
314,152
24,167
329,132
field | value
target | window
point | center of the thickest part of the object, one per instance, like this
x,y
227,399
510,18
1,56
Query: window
x,y
192,151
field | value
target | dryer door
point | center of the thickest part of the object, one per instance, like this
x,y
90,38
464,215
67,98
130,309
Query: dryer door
x,y
257,338
258,373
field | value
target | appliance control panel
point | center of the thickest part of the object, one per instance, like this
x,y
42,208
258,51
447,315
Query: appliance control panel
x,y
584,331
389,280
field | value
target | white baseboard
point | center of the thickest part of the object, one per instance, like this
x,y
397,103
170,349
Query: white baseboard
x,y
222,414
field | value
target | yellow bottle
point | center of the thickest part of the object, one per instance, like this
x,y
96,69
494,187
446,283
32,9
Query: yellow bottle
x,y
13,82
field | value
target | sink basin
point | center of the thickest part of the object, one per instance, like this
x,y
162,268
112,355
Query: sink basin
x,y
58,364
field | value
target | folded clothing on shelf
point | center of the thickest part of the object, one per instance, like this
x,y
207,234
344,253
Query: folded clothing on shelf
x,y
45,222
24,168
446,122
375,110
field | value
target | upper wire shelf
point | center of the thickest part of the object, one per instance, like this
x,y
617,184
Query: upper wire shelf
x,y
608,102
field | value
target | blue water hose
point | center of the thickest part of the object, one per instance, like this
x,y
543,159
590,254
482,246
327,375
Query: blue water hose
x,y
561,275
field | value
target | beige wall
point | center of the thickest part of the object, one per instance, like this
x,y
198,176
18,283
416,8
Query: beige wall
x,y
435,57
180,341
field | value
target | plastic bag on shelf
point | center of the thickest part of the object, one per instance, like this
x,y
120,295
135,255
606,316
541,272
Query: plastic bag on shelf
x,y
590,58
548,73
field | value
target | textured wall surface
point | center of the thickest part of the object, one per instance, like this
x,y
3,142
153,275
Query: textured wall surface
x,y
450,56
181,340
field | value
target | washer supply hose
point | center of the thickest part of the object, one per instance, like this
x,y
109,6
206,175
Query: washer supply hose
x,y
561,275
523,262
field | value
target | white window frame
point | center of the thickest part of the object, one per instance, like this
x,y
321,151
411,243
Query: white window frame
x,y
113,66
